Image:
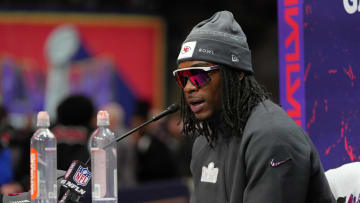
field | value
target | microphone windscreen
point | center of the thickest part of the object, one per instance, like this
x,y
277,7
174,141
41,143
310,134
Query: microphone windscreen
x,y
173,108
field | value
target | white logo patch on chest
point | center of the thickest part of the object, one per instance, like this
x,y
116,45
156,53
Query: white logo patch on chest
x,y
209,174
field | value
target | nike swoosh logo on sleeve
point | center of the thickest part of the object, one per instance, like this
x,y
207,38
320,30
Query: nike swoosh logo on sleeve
x,y
274,163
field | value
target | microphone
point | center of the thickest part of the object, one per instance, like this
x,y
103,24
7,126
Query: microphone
x,y
169,110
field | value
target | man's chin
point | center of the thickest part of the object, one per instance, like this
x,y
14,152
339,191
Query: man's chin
x,y
203,116
212,117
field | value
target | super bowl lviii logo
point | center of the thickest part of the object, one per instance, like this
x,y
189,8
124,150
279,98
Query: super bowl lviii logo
x,y
82,176
351,6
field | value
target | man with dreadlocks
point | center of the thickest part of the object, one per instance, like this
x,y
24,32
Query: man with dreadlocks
x,y
247,148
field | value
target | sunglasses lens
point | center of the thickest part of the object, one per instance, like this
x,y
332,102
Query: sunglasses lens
x,y
199,78
181,79
196,76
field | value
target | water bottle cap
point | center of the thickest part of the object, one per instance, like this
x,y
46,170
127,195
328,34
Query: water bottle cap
x,y
103,118
43,119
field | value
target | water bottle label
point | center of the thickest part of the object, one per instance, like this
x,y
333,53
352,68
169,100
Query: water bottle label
x,y
34,178
97,191
115,183
50,149
98,162
53,194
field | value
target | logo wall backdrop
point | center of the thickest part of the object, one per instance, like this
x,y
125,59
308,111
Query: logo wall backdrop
x,y
319,66
46,56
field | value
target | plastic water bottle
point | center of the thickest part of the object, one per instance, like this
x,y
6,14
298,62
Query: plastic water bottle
x,y
103,162
43,162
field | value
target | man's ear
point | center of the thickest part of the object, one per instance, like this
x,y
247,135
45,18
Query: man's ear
x,y
241,75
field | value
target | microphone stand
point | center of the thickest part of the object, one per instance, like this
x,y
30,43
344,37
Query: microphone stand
x,y
171,109
75,198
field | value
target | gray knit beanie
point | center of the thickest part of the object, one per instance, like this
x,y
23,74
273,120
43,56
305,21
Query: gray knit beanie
x,y
220,40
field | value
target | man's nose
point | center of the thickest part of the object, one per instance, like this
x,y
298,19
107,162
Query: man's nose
x,y
189,87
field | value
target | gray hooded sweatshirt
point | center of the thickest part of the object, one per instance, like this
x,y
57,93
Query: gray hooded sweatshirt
x,y
273,161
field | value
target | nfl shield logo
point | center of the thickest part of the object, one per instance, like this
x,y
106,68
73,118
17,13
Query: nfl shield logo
x,y
82,176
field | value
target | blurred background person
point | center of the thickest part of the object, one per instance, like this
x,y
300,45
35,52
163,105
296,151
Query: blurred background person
x,y
179,144
6,169
157,128
19,144
154,160
168,130
74,124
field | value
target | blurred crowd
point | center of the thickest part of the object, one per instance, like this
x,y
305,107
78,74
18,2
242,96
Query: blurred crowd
x,y
156,152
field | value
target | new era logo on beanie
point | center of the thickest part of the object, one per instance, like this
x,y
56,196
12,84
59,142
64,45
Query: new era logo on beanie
x,y
220,40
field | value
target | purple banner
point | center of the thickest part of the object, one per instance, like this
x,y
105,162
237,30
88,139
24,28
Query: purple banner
x,y
291,59
319,69
332,86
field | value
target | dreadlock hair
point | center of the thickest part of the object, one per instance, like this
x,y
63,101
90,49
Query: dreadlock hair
x,y
239,96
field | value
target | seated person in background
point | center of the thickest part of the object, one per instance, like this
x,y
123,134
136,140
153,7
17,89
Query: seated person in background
x,y
344,182
155,161
6,171
73,128
179,144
